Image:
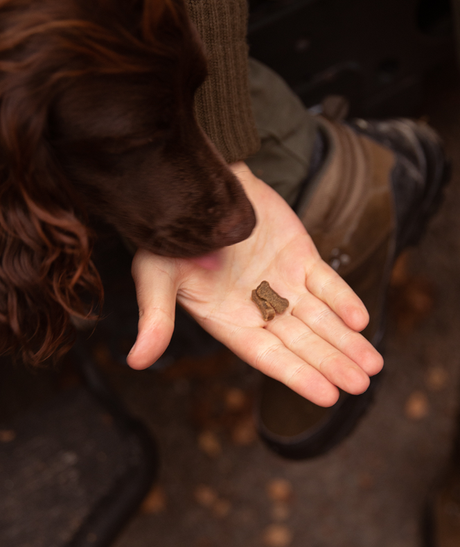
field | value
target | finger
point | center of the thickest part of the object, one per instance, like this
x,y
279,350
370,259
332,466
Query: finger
x,y
334,365
156,290
329,287
328,326
265,352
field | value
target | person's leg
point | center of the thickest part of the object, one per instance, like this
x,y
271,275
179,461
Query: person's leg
x,y
364,191
287,132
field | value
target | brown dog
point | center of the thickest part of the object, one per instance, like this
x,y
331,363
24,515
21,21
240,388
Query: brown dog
x,y
96,116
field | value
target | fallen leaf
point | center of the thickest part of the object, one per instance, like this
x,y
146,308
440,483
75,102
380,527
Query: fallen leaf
x,y
209,444
279,490
400,273
244,432
154,502
7,435
235,399
412,302
221,508
436,378
205,495
416,406
366,481
280,511
277,535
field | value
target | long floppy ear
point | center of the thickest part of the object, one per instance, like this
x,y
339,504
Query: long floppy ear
x,y
46,274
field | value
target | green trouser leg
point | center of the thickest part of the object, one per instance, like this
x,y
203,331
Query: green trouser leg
x,y
287,131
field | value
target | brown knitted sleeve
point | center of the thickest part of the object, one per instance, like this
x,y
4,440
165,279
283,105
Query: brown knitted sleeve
x,y
223,104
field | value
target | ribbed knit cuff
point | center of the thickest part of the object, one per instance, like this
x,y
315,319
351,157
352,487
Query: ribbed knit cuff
x,y
223,103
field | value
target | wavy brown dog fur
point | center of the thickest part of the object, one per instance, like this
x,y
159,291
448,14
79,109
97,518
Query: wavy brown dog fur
x,y
96,117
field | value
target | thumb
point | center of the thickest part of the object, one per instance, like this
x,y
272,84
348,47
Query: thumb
x,y
156,289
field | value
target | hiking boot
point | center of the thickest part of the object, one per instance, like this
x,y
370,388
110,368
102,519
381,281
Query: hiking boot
x,y
376,186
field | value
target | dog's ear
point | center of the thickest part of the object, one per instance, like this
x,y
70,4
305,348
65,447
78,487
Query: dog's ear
x,y
145,17
169,14
46,274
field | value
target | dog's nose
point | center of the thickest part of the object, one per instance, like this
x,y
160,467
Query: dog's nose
x,y
235,228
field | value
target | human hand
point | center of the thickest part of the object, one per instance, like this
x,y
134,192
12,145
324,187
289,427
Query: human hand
x,y
314,347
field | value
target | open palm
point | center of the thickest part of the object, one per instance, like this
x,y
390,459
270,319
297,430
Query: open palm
x,y
314,347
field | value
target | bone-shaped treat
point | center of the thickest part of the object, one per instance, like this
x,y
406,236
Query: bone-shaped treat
x,y
268,301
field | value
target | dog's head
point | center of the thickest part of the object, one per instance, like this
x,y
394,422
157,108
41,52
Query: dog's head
x,y
96,116
131,145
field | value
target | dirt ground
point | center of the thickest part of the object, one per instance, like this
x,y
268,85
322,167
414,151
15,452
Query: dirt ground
x,y
219,486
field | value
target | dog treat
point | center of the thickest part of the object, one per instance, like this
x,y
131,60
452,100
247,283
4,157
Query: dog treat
x,y
265,292
268,301
268,313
